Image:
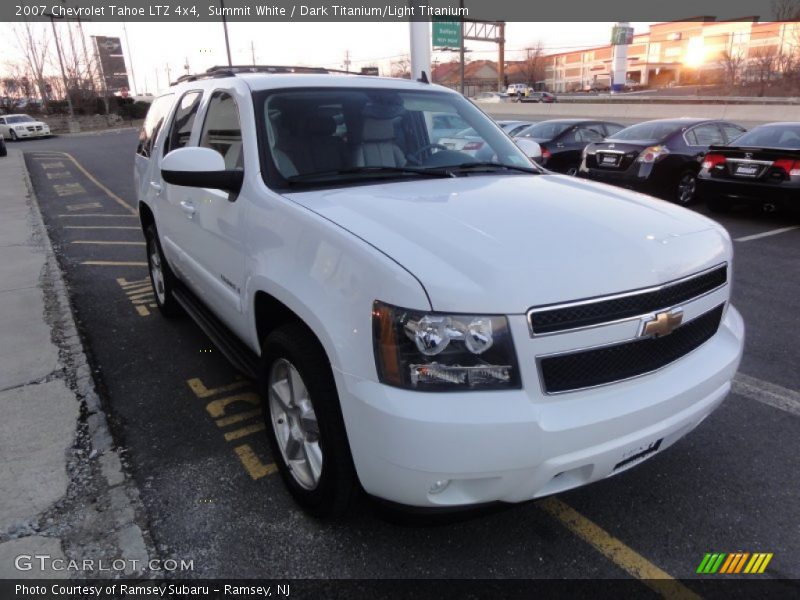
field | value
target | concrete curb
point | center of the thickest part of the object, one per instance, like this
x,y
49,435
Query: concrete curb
x,y
97,519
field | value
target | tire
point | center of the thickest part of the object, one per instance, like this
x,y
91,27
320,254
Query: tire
x,y
572,172
162,279
686,189
718,205
304,423
12,135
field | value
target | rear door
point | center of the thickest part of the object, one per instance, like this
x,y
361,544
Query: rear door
x,y
176,202
568,147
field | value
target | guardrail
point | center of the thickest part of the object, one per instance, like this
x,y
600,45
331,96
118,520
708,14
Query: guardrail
x,y
635,98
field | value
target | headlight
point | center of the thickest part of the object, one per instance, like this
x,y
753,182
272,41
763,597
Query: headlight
x,y
19,127
428,351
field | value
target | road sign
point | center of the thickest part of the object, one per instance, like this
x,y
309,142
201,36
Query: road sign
x,y
446,34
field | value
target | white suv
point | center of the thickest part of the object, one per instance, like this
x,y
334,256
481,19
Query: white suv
x,y
437,330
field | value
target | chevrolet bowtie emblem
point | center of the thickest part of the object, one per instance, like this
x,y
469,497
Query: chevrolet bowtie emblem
x,y
663,324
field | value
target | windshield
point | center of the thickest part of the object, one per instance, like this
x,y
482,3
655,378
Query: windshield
x,y
652,130
332,136
545,130
19,119
771,136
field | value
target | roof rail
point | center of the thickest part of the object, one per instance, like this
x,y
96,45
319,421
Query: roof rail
x,y
232,70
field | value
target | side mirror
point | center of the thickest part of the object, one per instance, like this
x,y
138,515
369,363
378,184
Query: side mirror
x,y
200,167
531,149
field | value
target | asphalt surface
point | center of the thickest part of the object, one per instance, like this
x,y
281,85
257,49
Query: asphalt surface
x,y
210,491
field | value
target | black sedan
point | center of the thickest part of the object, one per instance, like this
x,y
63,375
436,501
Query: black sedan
x,y
563,140
659,157
760,169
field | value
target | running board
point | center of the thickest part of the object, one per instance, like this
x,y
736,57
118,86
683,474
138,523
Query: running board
x,y
239,355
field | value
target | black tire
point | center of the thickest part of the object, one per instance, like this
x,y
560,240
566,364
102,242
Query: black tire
x,y
12,135
337,487
686,189
163,287
718,205
572,171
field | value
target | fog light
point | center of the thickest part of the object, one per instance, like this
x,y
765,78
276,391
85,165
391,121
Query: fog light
x,y
439,486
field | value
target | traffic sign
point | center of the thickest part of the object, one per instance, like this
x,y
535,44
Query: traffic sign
x,y
446,34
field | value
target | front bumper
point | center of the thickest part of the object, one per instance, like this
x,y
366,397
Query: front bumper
x,y
517,445
24,133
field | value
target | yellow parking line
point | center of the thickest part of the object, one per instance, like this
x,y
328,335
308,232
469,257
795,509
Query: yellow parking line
x,y
114,263
244,431
95,181
615,550
108,243
100,226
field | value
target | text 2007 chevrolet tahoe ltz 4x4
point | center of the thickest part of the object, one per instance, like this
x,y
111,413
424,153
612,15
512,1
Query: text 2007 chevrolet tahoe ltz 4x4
x,y
434,328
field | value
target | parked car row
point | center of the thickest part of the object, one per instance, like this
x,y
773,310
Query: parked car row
x,y
682,160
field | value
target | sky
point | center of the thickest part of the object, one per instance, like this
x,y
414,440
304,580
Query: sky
x,y
155,46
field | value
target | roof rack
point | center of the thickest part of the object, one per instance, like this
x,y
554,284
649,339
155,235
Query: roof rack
x,y
232,70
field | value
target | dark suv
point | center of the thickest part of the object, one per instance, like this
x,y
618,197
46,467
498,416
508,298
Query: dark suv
x,y
659,157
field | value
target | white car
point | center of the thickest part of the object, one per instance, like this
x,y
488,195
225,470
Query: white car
x,y
18,127
516,89
442,331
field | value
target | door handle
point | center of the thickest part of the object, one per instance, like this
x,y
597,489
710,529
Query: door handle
x,y
156,187
188,208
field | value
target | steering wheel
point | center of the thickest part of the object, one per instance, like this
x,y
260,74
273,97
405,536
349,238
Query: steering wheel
x,y
415,157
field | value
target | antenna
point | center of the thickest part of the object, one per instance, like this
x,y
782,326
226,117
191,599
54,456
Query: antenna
x,y
423,77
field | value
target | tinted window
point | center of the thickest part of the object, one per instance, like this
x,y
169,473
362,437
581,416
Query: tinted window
x,y
612,129
589,133
652,130
771,136
545,130
182,122
732,131
152,124
704,135
222,130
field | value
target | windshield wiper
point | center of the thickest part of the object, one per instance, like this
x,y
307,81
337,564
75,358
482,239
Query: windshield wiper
x,y
490,166
332,176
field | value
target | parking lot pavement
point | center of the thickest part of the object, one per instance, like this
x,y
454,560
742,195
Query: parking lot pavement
x,y
191,431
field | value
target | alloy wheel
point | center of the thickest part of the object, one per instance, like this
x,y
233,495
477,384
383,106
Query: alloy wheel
x,y
294,423
687,186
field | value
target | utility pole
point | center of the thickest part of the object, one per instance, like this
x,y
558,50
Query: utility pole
x,y
89,67
501,58
130,57
347,60
169,77
186,65
253,52
157,85
102,74
225,27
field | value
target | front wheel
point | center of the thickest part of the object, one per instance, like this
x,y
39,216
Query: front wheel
x,y
12,135
572,172
161,277
304,422
686,192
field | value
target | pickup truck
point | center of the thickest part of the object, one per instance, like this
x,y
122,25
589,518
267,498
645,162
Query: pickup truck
x,y
426,326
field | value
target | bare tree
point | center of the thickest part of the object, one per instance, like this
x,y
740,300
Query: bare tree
x,y
763,64
732,61
35,47
786,10
534,63
401,67
17,85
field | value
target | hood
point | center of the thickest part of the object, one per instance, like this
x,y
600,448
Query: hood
x,y
501,244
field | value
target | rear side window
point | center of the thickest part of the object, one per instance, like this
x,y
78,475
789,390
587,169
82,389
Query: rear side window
x,y
704,135
183,121
732,131
152,124
222,130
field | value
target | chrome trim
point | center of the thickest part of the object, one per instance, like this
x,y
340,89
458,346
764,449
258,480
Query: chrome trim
x,y
748,160
620,343
547,307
